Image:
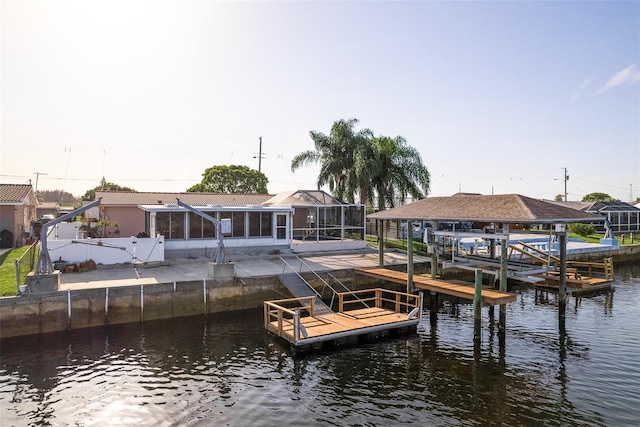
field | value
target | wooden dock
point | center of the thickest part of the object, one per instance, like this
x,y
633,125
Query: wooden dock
x,y
366,314
456,288
583,276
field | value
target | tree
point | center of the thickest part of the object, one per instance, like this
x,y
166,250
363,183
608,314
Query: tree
x,y
355,162
559,198
336,155
395,170
56,196
598,197
104,186
232,179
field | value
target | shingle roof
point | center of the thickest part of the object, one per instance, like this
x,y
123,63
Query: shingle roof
x,y
505,208
132,198
14,193
581,206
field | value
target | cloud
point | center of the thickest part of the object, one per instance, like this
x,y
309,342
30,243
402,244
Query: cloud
x,y
628,76
577,92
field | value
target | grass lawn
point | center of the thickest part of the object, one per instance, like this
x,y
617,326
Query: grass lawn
x,y
8,271
595,238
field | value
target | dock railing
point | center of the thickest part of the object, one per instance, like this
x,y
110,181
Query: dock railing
x,y
282,317
602,270
285,317
399,302
325,283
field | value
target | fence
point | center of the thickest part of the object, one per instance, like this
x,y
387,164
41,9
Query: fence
x,y
26,263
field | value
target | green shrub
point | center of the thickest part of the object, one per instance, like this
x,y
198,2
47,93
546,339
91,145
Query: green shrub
x,y
583,230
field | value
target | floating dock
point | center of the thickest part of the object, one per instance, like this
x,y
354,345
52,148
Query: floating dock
x,y
456,288
361,315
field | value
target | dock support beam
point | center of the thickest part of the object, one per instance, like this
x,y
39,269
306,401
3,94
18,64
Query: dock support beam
x,y
504,259
433,307
562,282
381,244
477,307
410,257
503,283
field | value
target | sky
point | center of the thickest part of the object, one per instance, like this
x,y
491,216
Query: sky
x,y
498,97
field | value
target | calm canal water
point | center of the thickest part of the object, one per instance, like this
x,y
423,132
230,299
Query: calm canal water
x,y
225,370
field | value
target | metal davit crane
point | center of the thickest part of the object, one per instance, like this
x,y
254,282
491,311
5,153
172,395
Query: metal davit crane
x,y
221,255
44,261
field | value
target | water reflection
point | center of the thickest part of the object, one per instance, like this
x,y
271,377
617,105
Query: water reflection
x,y
223,369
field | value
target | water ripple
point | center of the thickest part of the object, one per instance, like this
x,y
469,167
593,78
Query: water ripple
x,y
226,371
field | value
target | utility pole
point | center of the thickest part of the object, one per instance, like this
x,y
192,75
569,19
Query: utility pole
x,y
566,178
38,176
259,156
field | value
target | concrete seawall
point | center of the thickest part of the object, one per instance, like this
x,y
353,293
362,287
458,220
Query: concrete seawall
x,y
102,306
630,253
85,308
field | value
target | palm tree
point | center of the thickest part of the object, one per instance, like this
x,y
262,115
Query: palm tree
x,y
355,162
336,154
395,171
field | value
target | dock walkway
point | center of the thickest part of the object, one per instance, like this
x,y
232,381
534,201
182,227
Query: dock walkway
x,y
454,288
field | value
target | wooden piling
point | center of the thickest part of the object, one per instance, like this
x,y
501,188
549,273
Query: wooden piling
x,y
477,306
409,257
562,282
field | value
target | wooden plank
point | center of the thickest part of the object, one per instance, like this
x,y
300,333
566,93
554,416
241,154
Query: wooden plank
x,y
338,326
436,285
583,283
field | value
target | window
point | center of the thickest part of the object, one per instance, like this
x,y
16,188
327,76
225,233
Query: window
x,y
201,228
237,222
177,225
170,225
162,223
260,224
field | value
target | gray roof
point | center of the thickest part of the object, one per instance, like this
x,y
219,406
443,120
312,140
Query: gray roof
x,y
611,207
503,208
14,194
132,198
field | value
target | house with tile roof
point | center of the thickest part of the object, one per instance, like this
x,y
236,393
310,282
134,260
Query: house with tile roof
x,y
17,210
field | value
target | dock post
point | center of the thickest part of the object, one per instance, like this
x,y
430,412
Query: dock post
x,y
477,307
409,257
381,244
434,260
106,306
503,283
504,261
433,307
69,306
562,282
433,250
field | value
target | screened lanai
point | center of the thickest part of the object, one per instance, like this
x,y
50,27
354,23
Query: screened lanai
x,y
623,217
320,218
